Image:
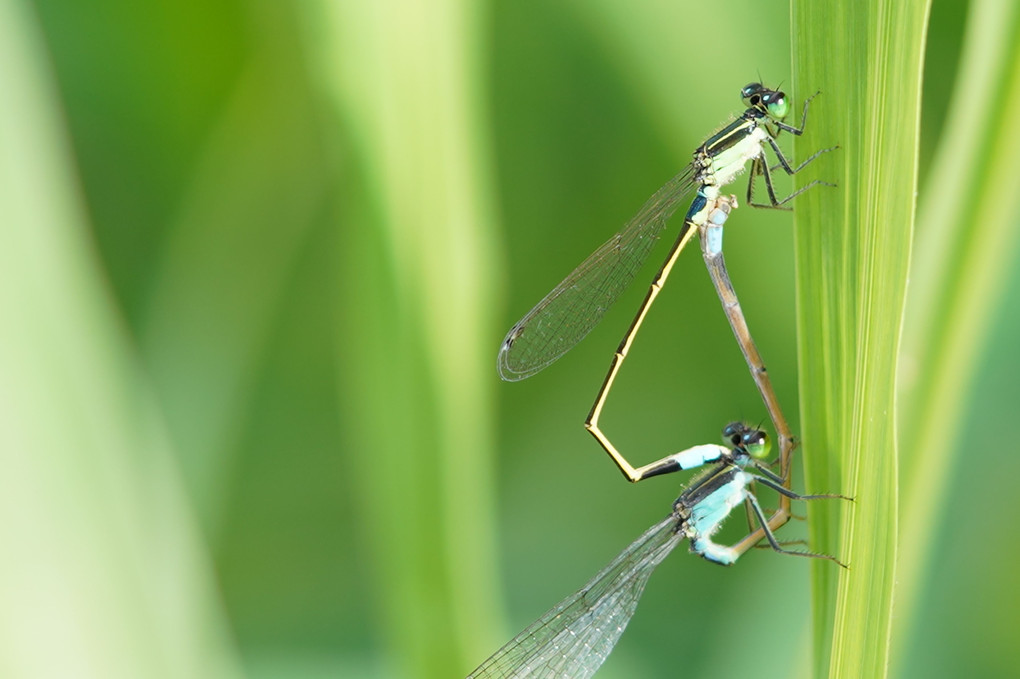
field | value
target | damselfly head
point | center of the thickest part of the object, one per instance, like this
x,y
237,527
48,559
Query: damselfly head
x,y
772,103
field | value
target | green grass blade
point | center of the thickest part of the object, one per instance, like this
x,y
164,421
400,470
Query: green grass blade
x,y
219,282
853,249
969,224
103,574
416,370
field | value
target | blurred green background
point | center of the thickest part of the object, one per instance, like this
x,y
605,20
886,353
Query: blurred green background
x,y
292,236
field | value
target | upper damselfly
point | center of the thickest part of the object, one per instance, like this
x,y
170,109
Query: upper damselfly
x,y
574,638
578,303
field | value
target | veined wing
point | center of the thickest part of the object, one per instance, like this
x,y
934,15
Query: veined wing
x,y
574,638
576,305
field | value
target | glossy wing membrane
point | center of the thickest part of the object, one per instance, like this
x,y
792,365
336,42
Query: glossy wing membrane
x,y
575,637
570,311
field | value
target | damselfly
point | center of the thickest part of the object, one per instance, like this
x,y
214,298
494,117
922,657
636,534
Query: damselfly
x,y
577,304
575,637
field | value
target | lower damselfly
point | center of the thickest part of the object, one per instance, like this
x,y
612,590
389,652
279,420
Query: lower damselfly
x,y
573,638
578,303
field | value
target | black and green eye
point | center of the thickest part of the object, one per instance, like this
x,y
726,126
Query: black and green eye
x,y
757,444
776,104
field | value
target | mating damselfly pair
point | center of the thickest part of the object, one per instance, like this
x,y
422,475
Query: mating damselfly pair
x,y
574,638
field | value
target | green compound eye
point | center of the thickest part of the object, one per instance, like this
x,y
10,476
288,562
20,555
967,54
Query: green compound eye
x,y
778,108
758,444
755,441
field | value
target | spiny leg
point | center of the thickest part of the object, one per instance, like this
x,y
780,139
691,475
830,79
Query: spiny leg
x,y
785,164
776,546
760,167
783,490
748,514
803,118
783,543
752,521
753,525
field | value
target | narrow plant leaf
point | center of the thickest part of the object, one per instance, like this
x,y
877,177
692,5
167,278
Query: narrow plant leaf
x,y
103,574
853,248
218,283
416,372
968,227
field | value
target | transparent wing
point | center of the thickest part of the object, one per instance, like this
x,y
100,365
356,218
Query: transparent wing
x,y
574,638
576,305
